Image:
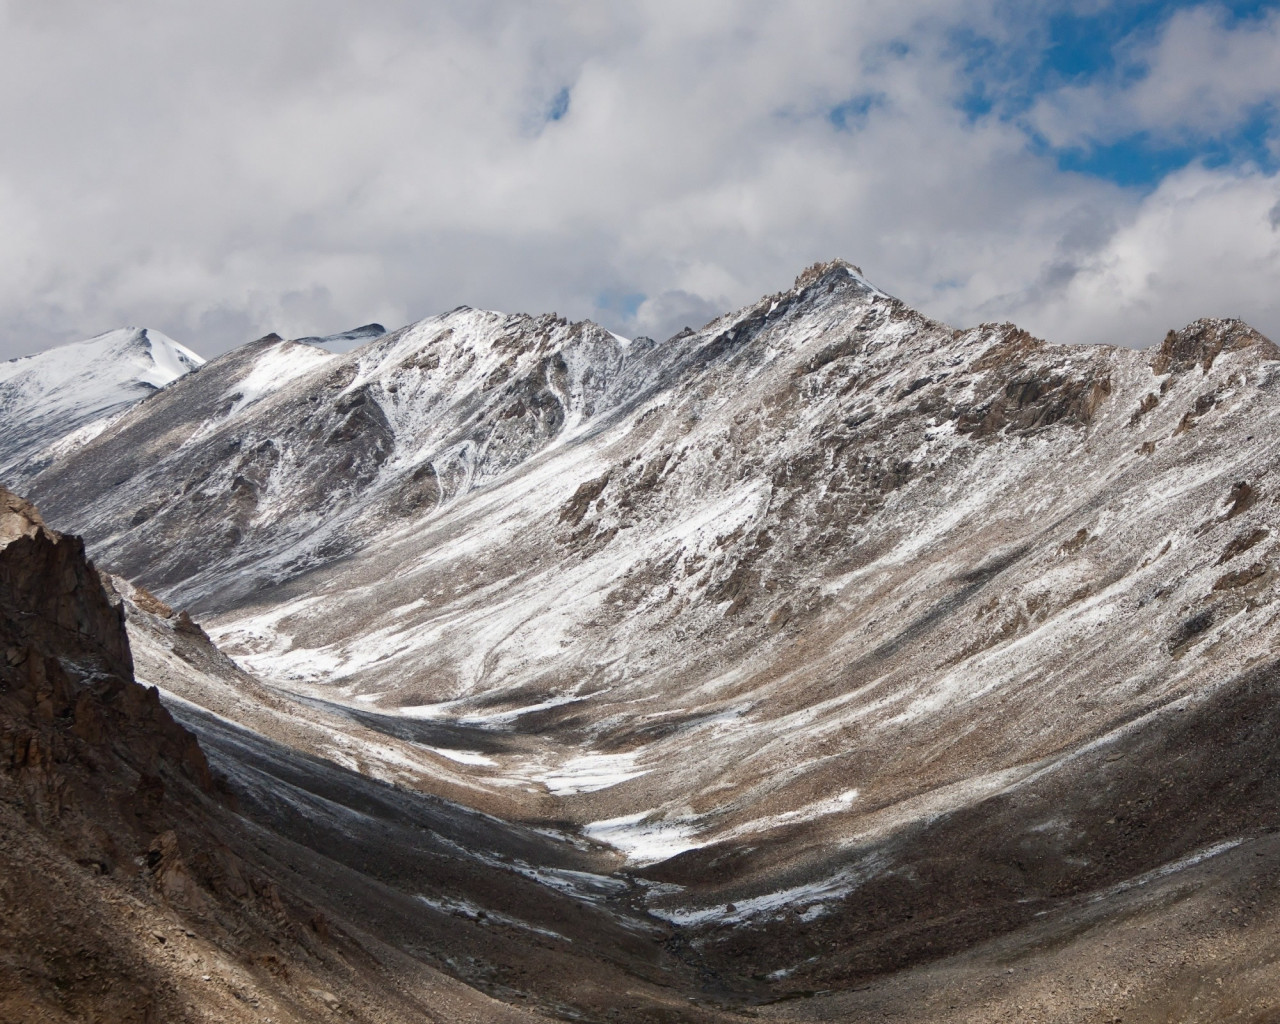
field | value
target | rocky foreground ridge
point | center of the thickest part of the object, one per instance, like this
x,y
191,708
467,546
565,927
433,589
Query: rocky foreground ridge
x,y
825,663
132,889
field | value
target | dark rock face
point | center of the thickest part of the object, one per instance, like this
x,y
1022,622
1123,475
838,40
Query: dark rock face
x,y
86,757
97,782
69,698
1030,395
51,600
1201,342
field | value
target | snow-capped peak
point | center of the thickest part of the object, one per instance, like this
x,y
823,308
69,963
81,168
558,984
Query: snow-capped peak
x,y
123,357
70,393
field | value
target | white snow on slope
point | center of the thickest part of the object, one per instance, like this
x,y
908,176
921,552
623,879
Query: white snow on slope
x,y
113,367
811,898
642,841
276,368
78,388
589,773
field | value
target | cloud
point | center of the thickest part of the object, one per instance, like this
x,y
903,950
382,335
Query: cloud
x,y
1201,76
219,171
1202,244
658,315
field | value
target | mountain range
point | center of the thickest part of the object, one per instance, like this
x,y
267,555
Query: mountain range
x,y
824,663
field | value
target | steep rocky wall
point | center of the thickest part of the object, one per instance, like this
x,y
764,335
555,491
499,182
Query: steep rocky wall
x,y
67,694
50,596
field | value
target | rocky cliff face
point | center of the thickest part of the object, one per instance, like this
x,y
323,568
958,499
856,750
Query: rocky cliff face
x,y
91,766
69,697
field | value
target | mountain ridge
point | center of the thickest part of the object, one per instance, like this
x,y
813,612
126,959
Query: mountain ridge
x,y
869,646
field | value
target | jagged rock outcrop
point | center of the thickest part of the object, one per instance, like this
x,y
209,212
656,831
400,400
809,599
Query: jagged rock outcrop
x,y
68,690
94,766
1201,342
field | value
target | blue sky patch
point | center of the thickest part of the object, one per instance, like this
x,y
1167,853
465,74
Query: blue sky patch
x,y
852,113
1132,161
620,303
559,105
1070,48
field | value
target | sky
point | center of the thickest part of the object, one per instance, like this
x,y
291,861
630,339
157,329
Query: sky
x,y
1095,172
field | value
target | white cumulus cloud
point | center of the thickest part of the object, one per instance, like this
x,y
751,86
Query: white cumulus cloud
x,y
218,171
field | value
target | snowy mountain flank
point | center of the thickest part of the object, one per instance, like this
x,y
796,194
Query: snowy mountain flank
x,y
55,400
825,663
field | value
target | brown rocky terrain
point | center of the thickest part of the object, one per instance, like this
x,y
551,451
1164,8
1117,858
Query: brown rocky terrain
x,y
826,663
133,890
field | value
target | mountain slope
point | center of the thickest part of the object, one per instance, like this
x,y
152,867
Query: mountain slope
x,y
60,398
347,340
133,890
882,572
297,456
872,645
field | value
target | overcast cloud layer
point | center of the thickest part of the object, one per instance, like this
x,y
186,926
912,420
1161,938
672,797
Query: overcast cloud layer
x,y
219,171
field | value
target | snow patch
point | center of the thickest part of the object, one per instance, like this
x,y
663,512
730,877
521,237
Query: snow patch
x,y
811,898
644,842
463,756
590,773
460,907
277,367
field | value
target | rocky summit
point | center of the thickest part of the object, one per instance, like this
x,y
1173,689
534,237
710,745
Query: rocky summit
x,y
825,663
